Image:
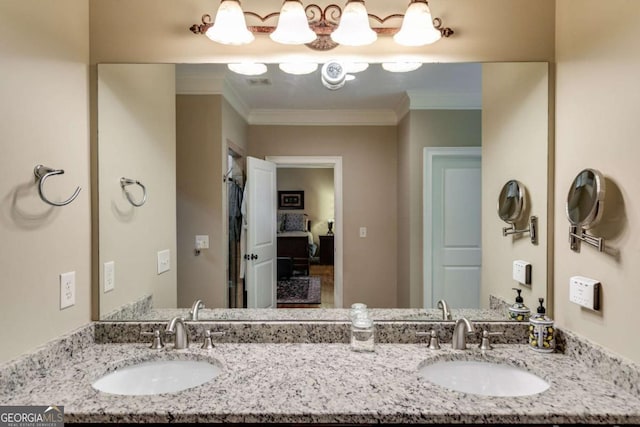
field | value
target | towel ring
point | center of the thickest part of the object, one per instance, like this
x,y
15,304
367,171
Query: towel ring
x,y
42,173
127,181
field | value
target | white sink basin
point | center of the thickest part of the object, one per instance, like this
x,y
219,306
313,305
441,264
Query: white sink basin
x,y
166,376
483,378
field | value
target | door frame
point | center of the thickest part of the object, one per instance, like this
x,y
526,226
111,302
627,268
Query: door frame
x,y
334,162
429,153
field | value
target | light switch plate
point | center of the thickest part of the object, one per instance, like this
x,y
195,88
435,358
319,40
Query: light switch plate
x,y
164,261
109,276
67,289
202,242
585,292
363,232
522,272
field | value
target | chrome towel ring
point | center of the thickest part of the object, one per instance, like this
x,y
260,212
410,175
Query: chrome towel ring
x,y
124,182
42,173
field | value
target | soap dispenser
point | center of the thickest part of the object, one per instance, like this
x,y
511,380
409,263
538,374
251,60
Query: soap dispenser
x,y
518,311
542,334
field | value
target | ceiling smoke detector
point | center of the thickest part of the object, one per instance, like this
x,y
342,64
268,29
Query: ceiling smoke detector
x,y
333,75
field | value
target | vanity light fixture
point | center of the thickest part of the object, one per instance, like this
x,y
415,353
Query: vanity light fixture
x,y
230,26
293,26
401,67
322,28
418,27
356,67
354,28
248,68
298,68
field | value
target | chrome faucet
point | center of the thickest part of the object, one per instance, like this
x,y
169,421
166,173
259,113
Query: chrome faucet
x,y
446,314
462,328
195,308
177,327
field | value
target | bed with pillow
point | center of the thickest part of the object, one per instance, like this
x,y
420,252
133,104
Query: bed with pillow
x,y
295,240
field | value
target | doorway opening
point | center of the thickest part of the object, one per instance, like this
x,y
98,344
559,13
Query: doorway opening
x,y
327,259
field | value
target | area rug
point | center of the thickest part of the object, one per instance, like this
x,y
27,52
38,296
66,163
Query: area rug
x,y
299,290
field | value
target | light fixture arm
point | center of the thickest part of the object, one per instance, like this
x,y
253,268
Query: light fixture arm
x,y
323,21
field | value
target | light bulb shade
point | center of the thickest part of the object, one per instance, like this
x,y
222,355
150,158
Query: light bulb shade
x,y
354,28
298,68
230,26
417,26
356,67
401,67
248,68
293,26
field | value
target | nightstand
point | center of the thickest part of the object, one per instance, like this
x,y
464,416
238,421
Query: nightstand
x,y
326,250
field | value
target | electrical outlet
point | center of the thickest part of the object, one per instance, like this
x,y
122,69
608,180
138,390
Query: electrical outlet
x,y
522,272
67,289
585,292
202,242
164,261
363,232
109,276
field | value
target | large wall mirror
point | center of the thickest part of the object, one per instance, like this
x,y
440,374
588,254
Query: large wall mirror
x,y
360,156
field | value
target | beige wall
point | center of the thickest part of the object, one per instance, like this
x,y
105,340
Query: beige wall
x,y
369,156
199,200
597,126
44,118
423,128
158,31
137,140
515,116
317,184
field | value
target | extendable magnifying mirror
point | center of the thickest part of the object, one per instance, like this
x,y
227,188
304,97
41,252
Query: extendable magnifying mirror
x,y
585,205
511,205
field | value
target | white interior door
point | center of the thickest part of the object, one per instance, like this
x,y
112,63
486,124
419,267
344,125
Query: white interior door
x,y
260,257
452,226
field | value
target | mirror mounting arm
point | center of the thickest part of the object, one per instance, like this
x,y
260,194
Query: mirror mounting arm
x,y
532,230
576,236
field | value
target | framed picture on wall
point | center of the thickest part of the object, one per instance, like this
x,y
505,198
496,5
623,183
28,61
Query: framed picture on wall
x,y
290,199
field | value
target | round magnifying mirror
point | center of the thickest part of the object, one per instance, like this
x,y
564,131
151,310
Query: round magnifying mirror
x,y
584,202
511,202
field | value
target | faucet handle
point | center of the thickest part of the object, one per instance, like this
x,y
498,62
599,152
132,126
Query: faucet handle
x,y
485,343
157,343
434,342
208,344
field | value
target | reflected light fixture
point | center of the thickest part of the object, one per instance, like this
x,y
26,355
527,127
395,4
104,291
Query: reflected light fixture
x,y
298,68
230,26
401,67
354,28
293,26
322,28
418,26
356,67
248,68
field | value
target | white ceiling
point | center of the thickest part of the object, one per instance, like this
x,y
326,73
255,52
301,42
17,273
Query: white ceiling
x,y
372,89
453,85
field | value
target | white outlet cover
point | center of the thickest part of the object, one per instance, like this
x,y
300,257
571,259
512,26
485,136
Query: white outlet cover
x,y
109,276
164,261
363,231
67,289
522,272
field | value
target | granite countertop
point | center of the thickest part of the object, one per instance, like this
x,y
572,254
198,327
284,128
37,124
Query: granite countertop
x,y
312,314
326,383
